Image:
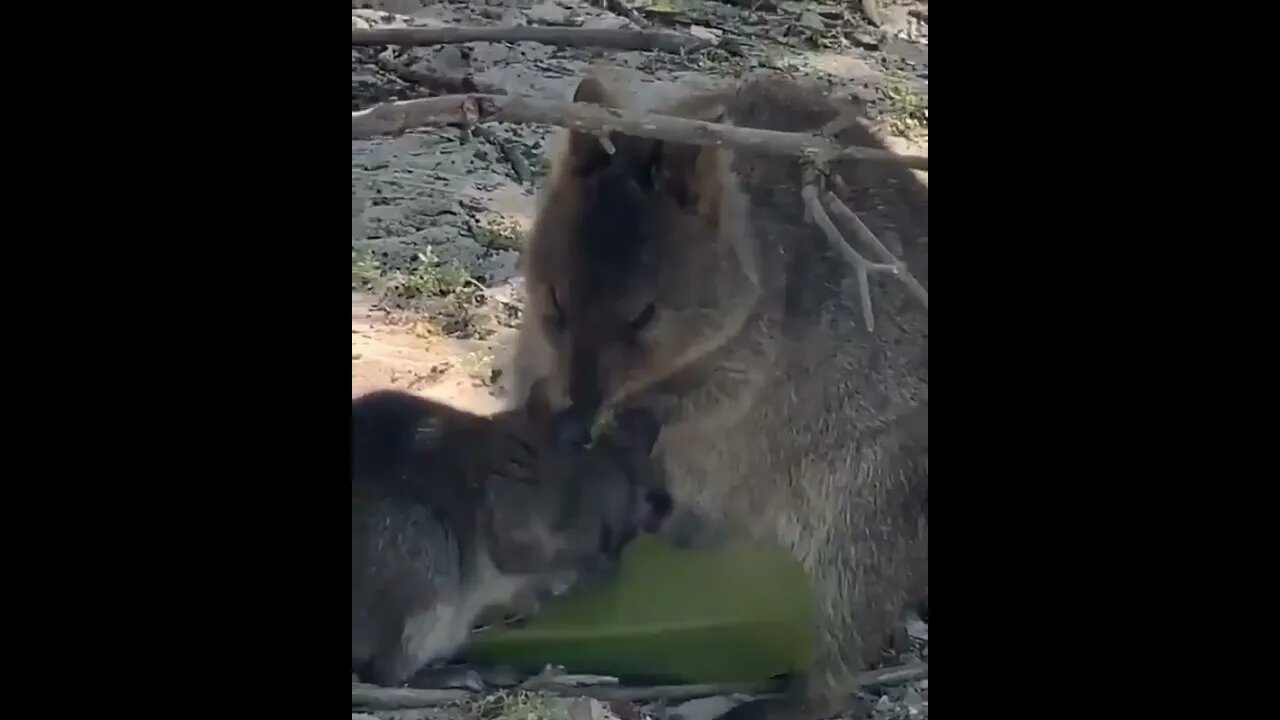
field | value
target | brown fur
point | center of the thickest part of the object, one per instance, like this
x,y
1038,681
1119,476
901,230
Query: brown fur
x,y
453,513
777,402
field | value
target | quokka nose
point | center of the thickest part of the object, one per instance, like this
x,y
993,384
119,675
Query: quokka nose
x,y
571,428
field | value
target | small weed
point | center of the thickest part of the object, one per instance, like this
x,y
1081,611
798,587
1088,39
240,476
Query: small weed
x,y
500,234
907,112
424,330
462,314
365,270
479,366
511,314
417,380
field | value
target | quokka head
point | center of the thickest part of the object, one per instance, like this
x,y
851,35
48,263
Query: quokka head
x,y
636,264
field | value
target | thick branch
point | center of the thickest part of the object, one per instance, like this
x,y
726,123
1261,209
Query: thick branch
x,y
393,118
613,39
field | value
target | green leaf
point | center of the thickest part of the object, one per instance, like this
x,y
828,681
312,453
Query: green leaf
x,y
737,614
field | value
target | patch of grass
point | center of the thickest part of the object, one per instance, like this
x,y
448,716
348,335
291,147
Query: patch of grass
x,y
365,270
512,705
429,277
500,234
908,114
462,315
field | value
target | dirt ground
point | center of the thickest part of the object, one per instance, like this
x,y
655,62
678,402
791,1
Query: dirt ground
x,y
438,215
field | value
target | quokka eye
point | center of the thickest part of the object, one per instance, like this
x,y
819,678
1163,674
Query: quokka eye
x,y
643,320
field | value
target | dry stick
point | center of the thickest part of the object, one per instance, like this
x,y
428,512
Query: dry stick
x,y
613,39
863,266
862,231
373,696
512,154
893,675
611,693
435,83
408,714
396,117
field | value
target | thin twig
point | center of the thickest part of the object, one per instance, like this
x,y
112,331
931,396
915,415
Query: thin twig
x,y
610,693
851,219
863,266
614,39
894,675
518,163
408,714
396,117
618,7
373,696
438,84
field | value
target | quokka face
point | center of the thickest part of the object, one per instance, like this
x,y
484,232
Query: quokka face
x,y
631,268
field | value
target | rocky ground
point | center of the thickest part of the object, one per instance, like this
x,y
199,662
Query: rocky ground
x,y
438,214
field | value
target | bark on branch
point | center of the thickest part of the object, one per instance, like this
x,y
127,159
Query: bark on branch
x,y
613,39
396,117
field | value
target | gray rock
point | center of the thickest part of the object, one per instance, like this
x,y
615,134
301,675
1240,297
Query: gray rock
x,y
703,708
918,629
548,12
812,20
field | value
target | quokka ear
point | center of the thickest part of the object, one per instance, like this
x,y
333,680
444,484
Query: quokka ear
x,y
592,90
586,152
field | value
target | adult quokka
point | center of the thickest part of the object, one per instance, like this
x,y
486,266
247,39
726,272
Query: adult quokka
x,y
686,280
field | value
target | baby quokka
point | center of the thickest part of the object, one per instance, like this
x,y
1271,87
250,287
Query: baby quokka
x,y
453,513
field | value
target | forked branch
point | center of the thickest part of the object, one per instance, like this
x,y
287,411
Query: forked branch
x,y
813,205
397,117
